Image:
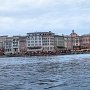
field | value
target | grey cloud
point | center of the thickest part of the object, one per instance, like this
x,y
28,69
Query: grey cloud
x,y
44,15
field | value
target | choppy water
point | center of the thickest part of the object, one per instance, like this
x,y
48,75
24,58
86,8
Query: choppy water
x,y
70,72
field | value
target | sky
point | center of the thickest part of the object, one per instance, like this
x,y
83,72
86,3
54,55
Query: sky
x,y
18,17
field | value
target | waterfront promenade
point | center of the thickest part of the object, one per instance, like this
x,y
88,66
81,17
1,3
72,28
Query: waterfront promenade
x,y
45,53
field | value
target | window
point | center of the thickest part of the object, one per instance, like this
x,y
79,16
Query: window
x,y
77,41
13,39
28,37
32,41
35,41
28,41
39,41
39,38
32,38
28,44
15,45
9,49
35,38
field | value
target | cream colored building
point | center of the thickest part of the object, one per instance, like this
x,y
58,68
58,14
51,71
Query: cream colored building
x,y
48,41
40,41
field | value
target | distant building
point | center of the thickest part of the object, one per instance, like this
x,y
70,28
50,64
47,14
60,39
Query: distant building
x,y
2,40
68,42
40,41
72,41
43,43
15,44
22,44
34,41
59,42
75,39
48,41
2,47
8,45
85,41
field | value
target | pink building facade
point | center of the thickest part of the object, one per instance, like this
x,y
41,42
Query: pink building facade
x,y
85,41
72,41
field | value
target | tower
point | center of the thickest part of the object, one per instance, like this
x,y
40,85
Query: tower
x,y
73,31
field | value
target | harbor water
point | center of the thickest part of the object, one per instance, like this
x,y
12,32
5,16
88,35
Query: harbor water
x,y
66,72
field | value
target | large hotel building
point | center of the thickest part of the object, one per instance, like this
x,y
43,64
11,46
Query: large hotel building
x,y
40,41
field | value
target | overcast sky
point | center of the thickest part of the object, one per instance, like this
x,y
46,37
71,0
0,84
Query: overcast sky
x,y
18,17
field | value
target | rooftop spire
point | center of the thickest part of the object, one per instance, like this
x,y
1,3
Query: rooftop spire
x,y
72,31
